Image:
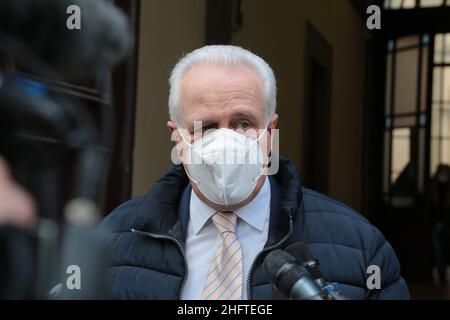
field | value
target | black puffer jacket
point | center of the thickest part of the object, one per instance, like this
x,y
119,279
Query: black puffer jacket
x,y
147,236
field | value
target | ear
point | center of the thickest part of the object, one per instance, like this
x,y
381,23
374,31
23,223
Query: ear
x,y
171,125
173,130
175,136
273,122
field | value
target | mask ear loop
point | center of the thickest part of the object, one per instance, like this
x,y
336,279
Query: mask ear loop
x,y
190,148
182,137
264,167
264,131
255,142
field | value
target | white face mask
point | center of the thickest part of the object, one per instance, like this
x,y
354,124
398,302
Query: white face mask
x,y
225,165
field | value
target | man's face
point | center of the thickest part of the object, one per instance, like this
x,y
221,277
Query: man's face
x,y
222,97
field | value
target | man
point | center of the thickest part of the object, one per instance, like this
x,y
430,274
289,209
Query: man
x,y
204,229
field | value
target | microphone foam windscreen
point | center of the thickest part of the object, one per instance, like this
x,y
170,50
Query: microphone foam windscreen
x,y
275,262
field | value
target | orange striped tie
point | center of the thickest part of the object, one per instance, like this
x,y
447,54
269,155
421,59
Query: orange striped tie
x,y
224,281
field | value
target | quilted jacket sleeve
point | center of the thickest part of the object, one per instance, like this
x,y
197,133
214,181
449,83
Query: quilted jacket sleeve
x,y
392,285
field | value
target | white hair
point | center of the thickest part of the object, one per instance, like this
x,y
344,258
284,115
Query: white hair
x,y
225,55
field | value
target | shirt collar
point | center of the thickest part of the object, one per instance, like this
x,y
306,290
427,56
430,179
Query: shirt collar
x,y
254,213
200,212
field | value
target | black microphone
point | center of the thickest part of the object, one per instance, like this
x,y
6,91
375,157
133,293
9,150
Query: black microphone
x,y
40,26
290,278
303,255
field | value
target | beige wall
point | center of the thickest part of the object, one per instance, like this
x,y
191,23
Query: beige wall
x,y
274,29
169,28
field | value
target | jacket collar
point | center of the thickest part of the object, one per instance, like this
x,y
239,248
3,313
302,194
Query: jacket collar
x,y
166,206
286,198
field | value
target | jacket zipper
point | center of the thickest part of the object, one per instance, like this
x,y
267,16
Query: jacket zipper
x,y
272,247
180,247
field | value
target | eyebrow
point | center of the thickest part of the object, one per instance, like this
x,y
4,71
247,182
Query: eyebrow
x,y
243,114
240,114
190,126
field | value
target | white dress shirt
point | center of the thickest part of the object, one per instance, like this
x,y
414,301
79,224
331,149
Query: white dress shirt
x,y
203,239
